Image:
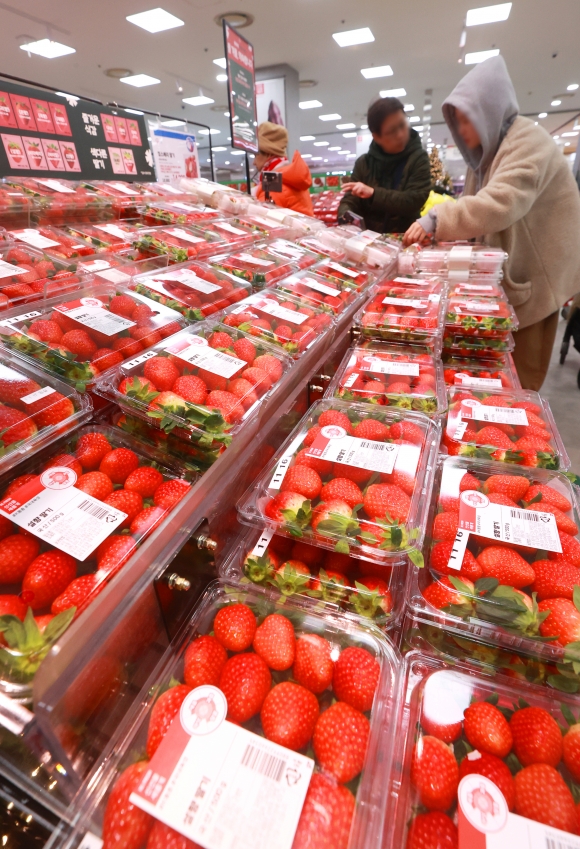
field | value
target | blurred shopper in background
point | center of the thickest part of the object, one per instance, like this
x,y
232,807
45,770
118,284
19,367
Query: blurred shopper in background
x,y
296,176
392,181
520,195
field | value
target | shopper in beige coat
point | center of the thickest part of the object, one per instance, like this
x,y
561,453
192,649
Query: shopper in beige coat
x,y
519,195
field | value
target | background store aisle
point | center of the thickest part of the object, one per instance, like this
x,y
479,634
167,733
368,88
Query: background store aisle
x,y
561,391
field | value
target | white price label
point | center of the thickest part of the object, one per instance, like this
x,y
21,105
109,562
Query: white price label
x,y
494,415
229,228
312,283
254,260
474,287
94,265
342,269
99,319
460,430
183,235
286,249
125,190
114,230
34,238
414,281
273,308
187,277
114,275
18,318
407,303
56,186
208,359
186,207
482,382
335,445
459,257
379,366
469,307
351,380
530,528
263,542
36,396
284,462
7,270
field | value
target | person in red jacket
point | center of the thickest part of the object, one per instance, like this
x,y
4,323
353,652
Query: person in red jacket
x,y
296,176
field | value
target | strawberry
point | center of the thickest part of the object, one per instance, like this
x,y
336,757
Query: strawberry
x,y
65,460
289,507
15,426
275,642
227,404
169,493
506,565
499,498
432,831
340,741
333,518
387,501
555,579
80,343
96,484
469,481
313,665
245,350
161,372
355,679
289,715
564,523
118,464
439,562
164,712
311,435
12,605
306,553
235,627
335,417
137,387
127,347
292,577
326,817
563,621
570,550
408,431
445,526
492,767
116,555
17,552
514,486
90,450
334,561
487,729
353,473
303,480
17,483
244,391
143,480
124,825
271,365
372,598
164,837
245,682
257,377
45,330
13,388
6,528
571,751
146,520
434,773
543,796
204,662
51,410
447,733
127,502
78,594
536,737
220,340
491,435
122,305
341,489
371,429
191,388
442,593
541,493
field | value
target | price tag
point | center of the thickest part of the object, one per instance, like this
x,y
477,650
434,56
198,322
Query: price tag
x,y
273,308
473,287
185,276
409,303
113,275
18,318
334,444
186,207
140,359
34,238
312,283
413,281
351,380
342,269
229,228
254,260
458,550
478,515
114,230
208,359
183,235
493,415
379,366
284,462
125,190
56,186
7,270
470,307
36,396
481,382
286,249
90,313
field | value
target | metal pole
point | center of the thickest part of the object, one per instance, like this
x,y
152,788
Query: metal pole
x,y
248,174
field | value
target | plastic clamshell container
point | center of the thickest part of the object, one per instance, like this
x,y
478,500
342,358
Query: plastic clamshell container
x,y
368,247
395,450
258,265
27,274
409,378
479,286
399,314
182,211
80,523
59,202
56,243
457,261
287,322
15,206
178,243
480,374
347,275
470,316
486,347
217,196
225,391
322,248
297,223
370,803
435,694
233,231
266,228
300,255
277,565
120,266
101,337
506,425
35,410
321,292
108,236
194,289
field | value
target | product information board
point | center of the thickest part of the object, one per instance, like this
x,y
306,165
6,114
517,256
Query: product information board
x,y
175,155
45,134
241,90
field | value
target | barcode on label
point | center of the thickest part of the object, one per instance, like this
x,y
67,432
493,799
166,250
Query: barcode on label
x,y
526,515
94,509
260,761
375,446
551,843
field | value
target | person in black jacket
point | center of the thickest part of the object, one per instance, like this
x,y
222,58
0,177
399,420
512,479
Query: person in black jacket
x,y
391,182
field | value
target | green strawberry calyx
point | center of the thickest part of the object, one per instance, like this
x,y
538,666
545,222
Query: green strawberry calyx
x,y
27,645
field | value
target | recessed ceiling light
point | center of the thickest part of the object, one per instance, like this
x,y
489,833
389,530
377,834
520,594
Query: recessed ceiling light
x,y
332,116
135,112
364,126
155,20
118,73
306,156
307,138
427,107
488,14
569,135
221,63
409,107
334,148
414,119
140,80
226,114
573,87
309,104
556,137
353,36
218,149
237,152
380,71
172,123
47,48
345,126
349,135
480,56
418,128
222,78
321,144
543,115
198,100
393,92
317,158
556,103
227,162
209,132
343,152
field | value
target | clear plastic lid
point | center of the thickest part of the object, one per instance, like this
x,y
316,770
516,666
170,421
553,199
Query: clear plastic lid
x,y
506,425
322,248
331,295
313,489
15,206
28,274
235,232
124,199
258,265
77,515
502,546
399,314
474,316
57,243
59,202
347,275
324,579
297,223
368,247
457,261
183,211
479,286
480,374
194,289
287,322
391,376
300,255
178,243
267,228
514,783
203,384
120,266
337,746
78,336
217,195
106,236
486,347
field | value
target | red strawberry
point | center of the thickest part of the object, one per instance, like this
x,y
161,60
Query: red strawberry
x,y
353,473
51,410
335,417
303,480
506,565
313,665
227,404
434,773
571,751
323,467
245,682
118,464
6,527
137,387
143,480
442,593
355,679
164,712
161,372
340,741
514,486
271,365
445,526
90,450
17,552
387,501
482,763
220,340
127,347
96,484
122,305
245,350
275,642
65,460
127,502
235,627
563,522
15,426
164,837
546,495
47,577
204,662
326,817
13,388
342,489
258,378
371,597
169,493
286,506
487,729
536,737
306,553
78,594
244,391
371,429
491,435
146,520
469,481
289,714
45,330
125,826
116,555
542,795
499,498
311,435
555,579
434,728
563,621
570,550
12,605
80,343
408,431
191,388
432,831
439,561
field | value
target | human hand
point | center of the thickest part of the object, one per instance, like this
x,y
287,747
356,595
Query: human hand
x,y
415,233
359,190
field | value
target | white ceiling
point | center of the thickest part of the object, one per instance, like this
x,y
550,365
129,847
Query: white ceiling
x,y
418,38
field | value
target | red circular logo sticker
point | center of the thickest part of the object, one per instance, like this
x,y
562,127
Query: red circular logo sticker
x,y
58,477
333,432
483,803
474,499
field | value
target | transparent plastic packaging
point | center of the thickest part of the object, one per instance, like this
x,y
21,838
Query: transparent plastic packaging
x,y
202,385
479,286
480,317
287,322
508,784
217,196
316,244
300,255
350,817
486,347
267,228
79,335
297,223
457,261
478,373
257,265
195,289
178,243
505,425
111,236
27,274
326,294
15,206
160,212
124,199
346,275
369,247
59,202
313,489
392,376
398,314
235,232
121,266
57,243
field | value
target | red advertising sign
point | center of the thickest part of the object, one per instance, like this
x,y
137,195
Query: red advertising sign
x,y
241,90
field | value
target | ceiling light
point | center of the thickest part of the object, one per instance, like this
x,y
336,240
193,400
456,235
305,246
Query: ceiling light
x,y
155,20
488,14
568,135
334,148
307,138
227,162
135,111
480,56
414,119
427,107
226,114
343,152
409,107
349,135
556,103
572,87
309,104
393,92
326,160
332,116
218,149
222,78
321,144
317,158
140,80
345,126
173,123
198,100
351,156
543,115
237,152
419,128
306,156
209,132
373,73
556,137
364,126
221,63
353,36
47,48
